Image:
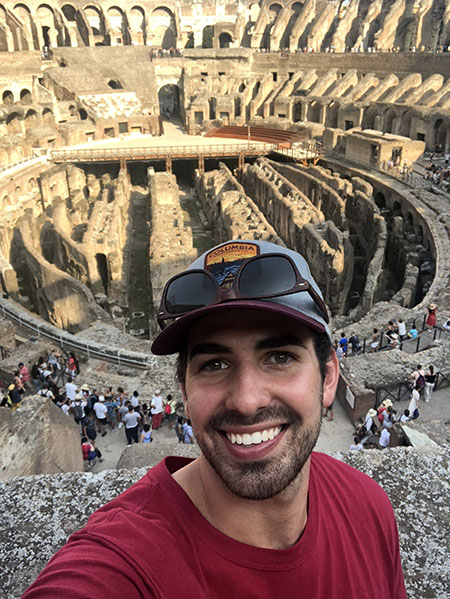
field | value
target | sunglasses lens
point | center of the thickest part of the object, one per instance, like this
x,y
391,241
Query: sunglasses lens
x,y
190,292
266,276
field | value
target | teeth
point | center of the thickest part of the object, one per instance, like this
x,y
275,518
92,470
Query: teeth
x,y
254,438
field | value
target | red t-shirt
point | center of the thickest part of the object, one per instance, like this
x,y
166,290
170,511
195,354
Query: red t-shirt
x,y
151,541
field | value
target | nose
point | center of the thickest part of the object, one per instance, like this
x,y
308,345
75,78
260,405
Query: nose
x,y
249,390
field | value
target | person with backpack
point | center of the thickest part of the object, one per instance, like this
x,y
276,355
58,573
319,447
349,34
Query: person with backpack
x,y
77,406
419,378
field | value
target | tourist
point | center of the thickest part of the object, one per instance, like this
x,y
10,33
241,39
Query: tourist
x,y
101,413
446,326
179,429
430,380
413,332
343,343
71,389
36,377
53,362
401,329
24,376
77,407
374,341
46,392
431,317
418,377
131,421
170,408
112,406
339,351
355,343
134,399
188,433
14,397
385,438
123,410
89,427
73,367
413,407
157,409
356,445
258,507
146,435
90,453
405,417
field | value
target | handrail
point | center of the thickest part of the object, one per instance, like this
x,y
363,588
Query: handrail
x,y
401,390
181,150
67,340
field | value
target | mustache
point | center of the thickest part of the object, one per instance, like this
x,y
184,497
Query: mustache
x,y
282,414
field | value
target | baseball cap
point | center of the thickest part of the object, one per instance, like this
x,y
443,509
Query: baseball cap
x,y
224,262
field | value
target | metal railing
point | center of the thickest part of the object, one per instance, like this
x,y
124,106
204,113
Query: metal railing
x,y
162,152
66,340
4,169
401,390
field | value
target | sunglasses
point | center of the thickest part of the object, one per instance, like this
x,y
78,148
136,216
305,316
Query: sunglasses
x,y
260,277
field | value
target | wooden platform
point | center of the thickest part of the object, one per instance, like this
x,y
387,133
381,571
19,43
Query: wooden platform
x,y
265,134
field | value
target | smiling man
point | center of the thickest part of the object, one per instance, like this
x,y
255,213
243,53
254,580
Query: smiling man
x,y
258,514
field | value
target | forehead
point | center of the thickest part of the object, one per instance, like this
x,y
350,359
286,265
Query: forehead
x,y
238,326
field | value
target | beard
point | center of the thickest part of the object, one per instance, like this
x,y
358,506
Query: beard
x,y
266,477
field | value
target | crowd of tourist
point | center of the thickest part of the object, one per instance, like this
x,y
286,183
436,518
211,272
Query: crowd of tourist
x,y
95,411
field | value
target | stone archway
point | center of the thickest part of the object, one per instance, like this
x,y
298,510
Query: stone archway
x,y
225,40
439,134
169,100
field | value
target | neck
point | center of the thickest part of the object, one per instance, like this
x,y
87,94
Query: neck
x,y
275,523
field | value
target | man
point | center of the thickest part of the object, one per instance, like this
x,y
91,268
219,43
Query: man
x,y
71,389
101,412
157,409
131,422
257,514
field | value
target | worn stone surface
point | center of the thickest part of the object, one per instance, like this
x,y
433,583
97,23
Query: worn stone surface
x,y
52,507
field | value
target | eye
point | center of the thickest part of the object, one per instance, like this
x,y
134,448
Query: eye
x,y
280,357
214,366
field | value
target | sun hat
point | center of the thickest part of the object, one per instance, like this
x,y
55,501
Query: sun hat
x,y
224,261
372,412
84,387
387,403
432,306
79,396
11,387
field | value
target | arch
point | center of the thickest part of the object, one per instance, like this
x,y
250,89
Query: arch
x,y
274,11
32,185
225,40
137,17
314,112
162,12
242,88
296,7
389,117
48,117
439,134
22,7
70,12
368,121
13,123
380,200
405,124
169,100
207,36
82,114
94,18
31,119
115,84
43,10
332,115
8,97
25,96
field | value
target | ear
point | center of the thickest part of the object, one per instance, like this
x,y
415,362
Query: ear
x,y
331,379
184,396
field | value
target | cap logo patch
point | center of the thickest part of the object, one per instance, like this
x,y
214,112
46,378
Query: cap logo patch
x,y
224,262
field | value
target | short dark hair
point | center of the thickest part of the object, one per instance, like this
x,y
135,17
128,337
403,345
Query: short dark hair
x,y
322,347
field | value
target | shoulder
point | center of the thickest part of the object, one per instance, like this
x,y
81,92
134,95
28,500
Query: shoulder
x,y
330,475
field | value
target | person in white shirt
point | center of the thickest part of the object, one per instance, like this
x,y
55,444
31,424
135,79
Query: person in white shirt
x,y
134,399
413,407
385,438
356,445
131,421
405,416
71,389
101,411
401,329
157,409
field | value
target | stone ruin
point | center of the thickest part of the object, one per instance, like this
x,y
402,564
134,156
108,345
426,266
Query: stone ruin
x,y
87,247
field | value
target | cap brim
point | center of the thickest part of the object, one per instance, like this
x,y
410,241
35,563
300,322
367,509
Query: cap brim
x,y
171,339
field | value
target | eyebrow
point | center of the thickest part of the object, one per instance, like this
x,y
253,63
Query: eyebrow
x,y
269,343
280,341
209,348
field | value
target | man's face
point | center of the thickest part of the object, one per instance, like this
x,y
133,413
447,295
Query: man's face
x,y
254,394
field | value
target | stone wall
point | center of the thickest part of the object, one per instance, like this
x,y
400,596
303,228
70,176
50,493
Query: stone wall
x,y
38,438
52,507
171,245
230,212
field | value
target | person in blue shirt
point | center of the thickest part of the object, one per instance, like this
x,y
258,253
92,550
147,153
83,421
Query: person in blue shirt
x,y
343,342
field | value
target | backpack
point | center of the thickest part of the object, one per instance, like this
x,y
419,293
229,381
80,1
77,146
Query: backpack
x,y
420,382
77,411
